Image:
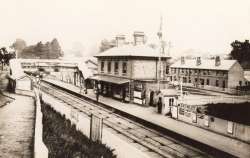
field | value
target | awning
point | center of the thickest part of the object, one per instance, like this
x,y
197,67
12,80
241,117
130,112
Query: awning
x,y
247,77
110,79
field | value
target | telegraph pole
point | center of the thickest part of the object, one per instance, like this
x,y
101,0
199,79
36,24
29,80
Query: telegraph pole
x,y
159,34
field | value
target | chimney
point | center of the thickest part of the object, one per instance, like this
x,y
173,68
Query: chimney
x,y
217,61
182,60
139,38
198,61
120,40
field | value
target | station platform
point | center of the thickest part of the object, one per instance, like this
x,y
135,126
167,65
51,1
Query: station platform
x,y
17,127
149,114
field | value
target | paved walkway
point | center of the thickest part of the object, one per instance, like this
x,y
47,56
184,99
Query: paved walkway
x,y
17,128
232,146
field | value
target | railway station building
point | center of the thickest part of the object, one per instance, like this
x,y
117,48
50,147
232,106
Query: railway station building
x,y
212,74
130,72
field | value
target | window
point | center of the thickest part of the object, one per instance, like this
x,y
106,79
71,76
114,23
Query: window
x,y
217,73
207,81
167,69
204,72
190,72
195,71
189,80
184,80
124,67
102,66
109,67
116,67
196,80
217,83
240,83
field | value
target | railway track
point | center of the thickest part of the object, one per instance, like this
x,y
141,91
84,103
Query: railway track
x,y
148,139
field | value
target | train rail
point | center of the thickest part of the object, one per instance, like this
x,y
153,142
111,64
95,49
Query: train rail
x,y
162,145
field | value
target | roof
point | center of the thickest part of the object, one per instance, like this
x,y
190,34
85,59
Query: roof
x,y
247,75
208,64
131,50
86,72
46,62
170,92
16,69
110,79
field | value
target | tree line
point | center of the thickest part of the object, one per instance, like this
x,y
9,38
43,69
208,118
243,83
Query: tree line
x,y
48,50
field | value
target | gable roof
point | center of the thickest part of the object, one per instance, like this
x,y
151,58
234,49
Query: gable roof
x,y
131,50
208,64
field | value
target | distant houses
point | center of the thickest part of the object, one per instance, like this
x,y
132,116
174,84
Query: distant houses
x,y
212,74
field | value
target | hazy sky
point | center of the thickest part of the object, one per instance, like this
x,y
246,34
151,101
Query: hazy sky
x,y
204,25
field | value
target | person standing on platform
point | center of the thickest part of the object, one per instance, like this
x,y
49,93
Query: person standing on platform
x,y
159,105
97,92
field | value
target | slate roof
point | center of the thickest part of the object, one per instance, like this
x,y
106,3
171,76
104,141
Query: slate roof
x,y
208,64
131,50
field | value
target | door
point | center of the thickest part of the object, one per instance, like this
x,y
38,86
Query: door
x,y
223,85
151,98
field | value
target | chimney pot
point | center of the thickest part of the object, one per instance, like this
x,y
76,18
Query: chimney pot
x,y
198,61
217,61
120,40
182,60
139,37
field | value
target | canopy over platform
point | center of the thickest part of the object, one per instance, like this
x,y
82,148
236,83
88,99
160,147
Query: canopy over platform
x,y
110,79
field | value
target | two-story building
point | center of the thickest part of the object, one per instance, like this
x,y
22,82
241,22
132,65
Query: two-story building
x,y
130,72
212,74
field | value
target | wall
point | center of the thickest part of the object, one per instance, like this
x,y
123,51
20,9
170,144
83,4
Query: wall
x,y
235,75
218,125
112,73
144,69
40,150
123,148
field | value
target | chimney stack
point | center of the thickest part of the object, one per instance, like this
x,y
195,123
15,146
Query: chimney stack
x,y
198,61
139,38
182,60
120,40
217,61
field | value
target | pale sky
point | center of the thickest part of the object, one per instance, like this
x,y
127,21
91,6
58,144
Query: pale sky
x,y
203,25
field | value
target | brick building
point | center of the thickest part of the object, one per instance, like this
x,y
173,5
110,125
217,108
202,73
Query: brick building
x,y
216,74
129,72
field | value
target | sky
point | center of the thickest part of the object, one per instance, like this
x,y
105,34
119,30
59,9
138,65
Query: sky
x,y
206,26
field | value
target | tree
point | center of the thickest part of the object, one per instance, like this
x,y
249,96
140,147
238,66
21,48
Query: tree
x,y
105,45
5,56
18,45
56,48
241,52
